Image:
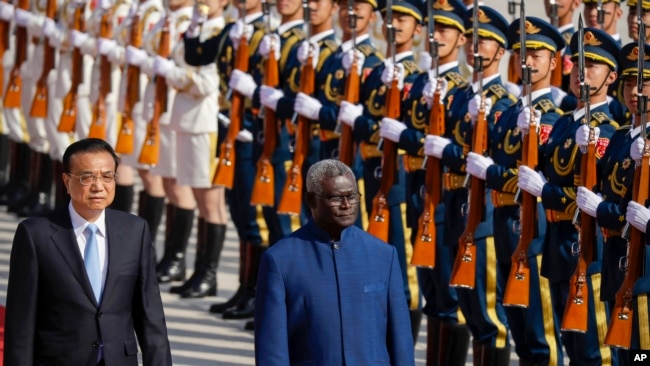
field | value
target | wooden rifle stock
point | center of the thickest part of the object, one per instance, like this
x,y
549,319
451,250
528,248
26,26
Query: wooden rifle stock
x,y
98,127
517,292
263,187
151,148
4,44
39,103
424,248
346,142
513,64
225,174
379,221
291,201
556,74
12,95
125,142
464,271
575,313
619,332
68,118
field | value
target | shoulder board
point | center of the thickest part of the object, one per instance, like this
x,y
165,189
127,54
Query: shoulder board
x,y
602,118
455,80
296,32
182,19
259,24
545,106
331,44
118,3
411,67
498,90
625,127
150,10
230,19
366,49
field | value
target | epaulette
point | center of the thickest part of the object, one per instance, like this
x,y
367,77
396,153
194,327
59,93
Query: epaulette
x,y
182,19
230,19
330,44
150,10
366,49
410,67
545,106
297,32
455,80
625,127
118,3
601,118
498,90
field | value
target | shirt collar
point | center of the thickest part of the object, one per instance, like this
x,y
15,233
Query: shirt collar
x,y
347,45
288,25
250,18
79,223
579,113
534,95
446,67
486,81
636,130
322,35
403,55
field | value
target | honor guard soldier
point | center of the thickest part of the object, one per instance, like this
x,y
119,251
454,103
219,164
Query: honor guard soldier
x,y
447,334
559,164
486,319
533,329
632,26
10,136
560,13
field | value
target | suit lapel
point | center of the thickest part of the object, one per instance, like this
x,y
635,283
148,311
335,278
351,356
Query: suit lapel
x,y
64,239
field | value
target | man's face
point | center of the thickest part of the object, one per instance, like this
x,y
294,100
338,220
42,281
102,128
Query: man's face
x,y
331,216
630,93
322,11
405,28
612,13
541,61
448,39
289,7
633,27
596,74
364,12
90,200
489,49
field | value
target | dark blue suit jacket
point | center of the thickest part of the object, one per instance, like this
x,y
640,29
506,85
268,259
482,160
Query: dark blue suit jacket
x,y
329,303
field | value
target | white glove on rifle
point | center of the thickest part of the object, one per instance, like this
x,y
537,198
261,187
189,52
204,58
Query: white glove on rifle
x,y
244,136
243,83
523,119
307,106
637,215
477,165
49,27
105,45
265,46
349,112
424,63
349,57
582,135
135,56
22,17
636,149
303,53
391,129
430,89
270,97
588,201
163,66
238,30
393,72
6,11
475,105
434,145
78,38
531,181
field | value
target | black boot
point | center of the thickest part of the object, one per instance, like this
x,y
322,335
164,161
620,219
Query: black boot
x,y
234,300
416,320
204,279
40,200
15,162
25,180
177,234
123,198
150,208
453,344
4,159
485,355
246,307
60,191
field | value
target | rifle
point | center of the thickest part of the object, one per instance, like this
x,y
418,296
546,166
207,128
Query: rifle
x,y
125,142
69,115
512,61
600,16
291,201
556,74
346,142
517,292
264,178
4,44
225,174
151,147
98,127
575,313
12,95
464,271
39,104
424,247
619,332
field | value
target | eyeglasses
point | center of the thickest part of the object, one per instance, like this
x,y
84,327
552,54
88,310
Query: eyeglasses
x,y
338,200
88,179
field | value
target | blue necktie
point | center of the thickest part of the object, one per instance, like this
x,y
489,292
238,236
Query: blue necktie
x,y
91,261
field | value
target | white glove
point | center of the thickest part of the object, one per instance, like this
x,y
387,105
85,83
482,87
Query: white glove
x,y
244,136
349,112
105,45
163,66
307,106
391,129
430,89
474,106
434,145
637,215
582,135
242,83
265,46
523,119
303,53
78,38
49,27
269,97
238,30
588,201
636,149
424,63
224,120
531,181
6,11
477,164
135,56
22,17
392,72
348,58
105,4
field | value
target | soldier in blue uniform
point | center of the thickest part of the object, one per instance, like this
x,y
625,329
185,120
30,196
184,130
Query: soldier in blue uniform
x,y
559,162
535,334
632,26
485,317
565,10
447,335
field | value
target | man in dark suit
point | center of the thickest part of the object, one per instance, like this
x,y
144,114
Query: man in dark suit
x,y
82,281
330,293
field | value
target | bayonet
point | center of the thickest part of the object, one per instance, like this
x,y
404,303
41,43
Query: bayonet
x,y
433,44
554,13
600,16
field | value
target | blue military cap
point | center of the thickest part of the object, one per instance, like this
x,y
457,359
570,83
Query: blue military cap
x,y
450,13
539,34
410,7
604,1
598,46
492,25
628,65
645,4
